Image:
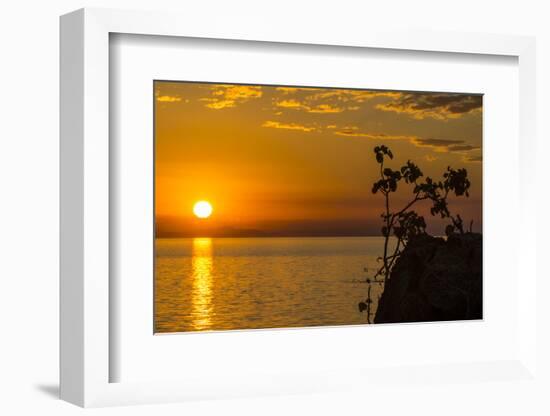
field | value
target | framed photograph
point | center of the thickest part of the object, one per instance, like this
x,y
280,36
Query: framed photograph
x,y
249,228
271,203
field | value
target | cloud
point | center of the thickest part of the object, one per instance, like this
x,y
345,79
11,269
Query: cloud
x,y
288,126
473,159
440,106
463,148
292,90
430,158
297,105
227,96
326,101
325,108
354,132
288,104
168,99
438,145
353,96
438,142
218,104
446,145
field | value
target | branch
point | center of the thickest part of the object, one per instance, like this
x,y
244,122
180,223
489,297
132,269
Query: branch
x,y
410,204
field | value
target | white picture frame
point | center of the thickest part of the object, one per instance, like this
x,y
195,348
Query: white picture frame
x,y
85,220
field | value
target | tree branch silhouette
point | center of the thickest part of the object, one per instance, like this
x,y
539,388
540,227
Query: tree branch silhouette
x,y
405,224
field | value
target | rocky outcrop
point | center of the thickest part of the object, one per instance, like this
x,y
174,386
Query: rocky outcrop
x,y
435,280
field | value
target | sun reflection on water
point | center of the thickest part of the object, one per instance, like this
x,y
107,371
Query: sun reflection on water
x,y
202,265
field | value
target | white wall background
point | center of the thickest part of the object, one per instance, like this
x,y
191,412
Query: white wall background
x,y
29,98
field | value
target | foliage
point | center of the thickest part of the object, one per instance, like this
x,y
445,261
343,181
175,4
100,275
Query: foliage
x,y
404,224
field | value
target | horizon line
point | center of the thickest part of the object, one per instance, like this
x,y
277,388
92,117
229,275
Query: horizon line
x,y
294,236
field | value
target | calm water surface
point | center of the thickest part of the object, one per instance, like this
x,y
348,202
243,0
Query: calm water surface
x,y
244,283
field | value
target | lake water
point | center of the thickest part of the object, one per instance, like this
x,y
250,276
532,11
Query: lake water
x,y
245,283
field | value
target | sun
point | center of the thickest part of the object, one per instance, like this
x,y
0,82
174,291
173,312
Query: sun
x,y
202,209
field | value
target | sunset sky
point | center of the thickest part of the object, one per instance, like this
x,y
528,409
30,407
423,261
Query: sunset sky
x,y
292,161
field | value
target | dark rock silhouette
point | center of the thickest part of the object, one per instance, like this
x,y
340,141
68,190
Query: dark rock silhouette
x,y
435,280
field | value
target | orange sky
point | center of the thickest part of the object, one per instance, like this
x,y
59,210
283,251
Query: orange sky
x,y
299,161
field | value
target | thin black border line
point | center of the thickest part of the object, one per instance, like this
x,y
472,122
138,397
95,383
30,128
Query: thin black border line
x,y
154,208
313,86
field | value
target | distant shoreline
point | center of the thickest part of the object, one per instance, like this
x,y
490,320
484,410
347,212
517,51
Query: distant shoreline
x,y
281,236
269,236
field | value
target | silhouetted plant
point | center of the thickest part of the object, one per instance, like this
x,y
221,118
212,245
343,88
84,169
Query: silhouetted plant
x,y
405,224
